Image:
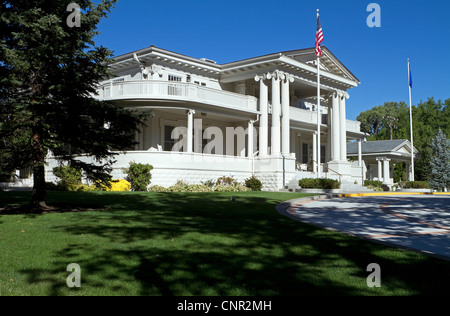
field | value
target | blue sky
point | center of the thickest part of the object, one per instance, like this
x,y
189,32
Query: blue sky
x,y
229,30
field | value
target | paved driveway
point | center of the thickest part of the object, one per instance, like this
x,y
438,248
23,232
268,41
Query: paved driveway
x,y
420,222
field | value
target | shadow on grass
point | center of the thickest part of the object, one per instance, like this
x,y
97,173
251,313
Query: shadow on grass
x,y
204,244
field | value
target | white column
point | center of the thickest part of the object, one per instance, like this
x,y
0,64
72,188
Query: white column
x,y
285,120
343,129
386,169
293,141
250,140
264,120
276,112
315,152
335,134
329,139
359,153
198,135
190,130
380,169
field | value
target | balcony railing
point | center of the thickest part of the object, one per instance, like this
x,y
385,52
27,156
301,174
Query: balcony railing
x,y
301,115
310,117
176,91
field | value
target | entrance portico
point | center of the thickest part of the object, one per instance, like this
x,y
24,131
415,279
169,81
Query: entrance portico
x,y
379,158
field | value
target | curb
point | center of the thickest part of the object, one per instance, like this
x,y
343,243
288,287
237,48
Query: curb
x,y
390,193
285,205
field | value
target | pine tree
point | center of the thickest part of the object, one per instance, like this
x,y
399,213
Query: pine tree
x,y
440,163
49,69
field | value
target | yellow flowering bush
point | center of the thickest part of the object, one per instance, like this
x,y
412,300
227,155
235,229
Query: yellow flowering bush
x,y
120,185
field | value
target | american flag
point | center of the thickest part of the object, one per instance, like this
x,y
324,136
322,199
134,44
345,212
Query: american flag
x,y
319,37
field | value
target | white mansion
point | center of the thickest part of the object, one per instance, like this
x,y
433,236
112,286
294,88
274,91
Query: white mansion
x,y
250,117
253,116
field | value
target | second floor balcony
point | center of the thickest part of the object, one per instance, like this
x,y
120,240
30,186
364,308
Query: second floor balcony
x,y
176,91
168,91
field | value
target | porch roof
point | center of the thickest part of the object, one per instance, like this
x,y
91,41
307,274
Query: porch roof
x,y
396,147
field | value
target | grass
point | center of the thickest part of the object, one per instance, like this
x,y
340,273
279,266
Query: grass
x,y
196,244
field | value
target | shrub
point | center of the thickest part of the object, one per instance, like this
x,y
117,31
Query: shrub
x,y
226,181
6,176
373,183
180,186
230,188
415,185
70,177
253,183
120,185
310,183
50,186
157,188
210,183
198,188
139,176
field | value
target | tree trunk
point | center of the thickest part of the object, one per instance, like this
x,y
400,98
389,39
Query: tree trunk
x,y
39,196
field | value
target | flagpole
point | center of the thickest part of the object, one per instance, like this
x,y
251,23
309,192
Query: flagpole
x,y
318,114
411,123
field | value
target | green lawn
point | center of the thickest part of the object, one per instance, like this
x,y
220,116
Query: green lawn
x,y
196,244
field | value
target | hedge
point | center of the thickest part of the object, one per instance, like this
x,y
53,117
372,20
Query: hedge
x,y
311,183
182,186
373,183
415,185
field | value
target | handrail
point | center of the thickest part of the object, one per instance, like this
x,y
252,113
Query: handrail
x,y
340,175
323,165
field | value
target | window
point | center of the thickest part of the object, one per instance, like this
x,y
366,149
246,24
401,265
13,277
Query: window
x,y
174,89
174,78
168,141
304,153
203,84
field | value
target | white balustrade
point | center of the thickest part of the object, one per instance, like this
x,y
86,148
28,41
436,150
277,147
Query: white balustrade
x,y
176,91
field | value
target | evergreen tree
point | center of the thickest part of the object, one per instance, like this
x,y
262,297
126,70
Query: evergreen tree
x,y
440,163
49,69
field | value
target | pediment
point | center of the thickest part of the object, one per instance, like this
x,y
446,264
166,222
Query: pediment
x,y
328,61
